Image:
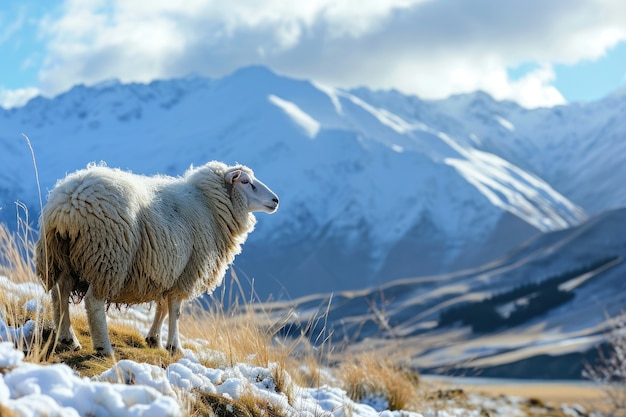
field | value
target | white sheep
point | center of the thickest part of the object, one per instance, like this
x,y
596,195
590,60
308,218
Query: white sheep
x,y
115,237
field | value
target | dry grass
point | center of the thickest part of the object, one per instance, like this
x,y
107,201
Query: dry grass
x,y
16,304
241,338
5,412
236,334
368,376
261,406
128,343
209,404
16,254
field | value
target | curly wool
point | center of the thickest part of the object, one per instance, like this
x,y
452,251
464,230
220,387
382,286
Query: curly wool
x,y
135,238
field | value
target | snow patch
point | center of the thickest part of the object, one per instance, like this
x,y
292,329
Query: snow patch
x,y
475,139
310,126
385,117
332,95
514,190
505,123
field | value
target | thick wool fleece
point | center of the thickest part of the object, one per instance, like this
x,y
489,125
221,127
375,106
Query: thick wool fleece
x,y
136,239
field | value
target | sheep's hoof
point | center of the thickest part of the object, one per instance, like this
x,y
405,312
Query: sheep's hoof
x,y
103,353
66,345
153,342
172,349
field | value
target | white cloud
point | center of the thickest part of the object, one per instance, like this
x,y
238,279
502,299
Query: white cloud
x,y
534,89
432,48
16,98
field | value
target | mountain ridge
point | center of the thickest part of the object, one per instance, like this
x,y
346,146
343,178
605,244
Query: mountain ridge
x,y
575,148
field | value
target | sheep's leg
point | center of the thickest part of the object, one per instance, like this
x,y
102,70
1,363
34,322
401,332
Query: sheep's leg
x,y
173,339
154,335
97,324
66,339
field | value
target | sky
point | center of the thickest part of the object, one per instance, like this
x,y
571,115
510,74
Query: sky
x,y
539,53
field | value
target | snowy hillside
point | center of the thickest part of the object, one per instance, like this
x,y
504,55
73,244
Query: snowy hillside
x,y
578,149
367,194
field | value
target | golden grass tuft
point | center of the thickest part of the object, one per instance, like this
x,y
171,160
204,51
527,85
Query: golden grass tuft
x,y
261,406
242,338
6,412
241,333
16,254
17,305
210,404
308,372
236,335
368,375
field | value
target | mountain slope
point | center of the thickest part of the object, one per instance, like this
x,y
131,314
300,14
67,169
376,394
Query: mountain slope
x,y
587,261
578,148
366,196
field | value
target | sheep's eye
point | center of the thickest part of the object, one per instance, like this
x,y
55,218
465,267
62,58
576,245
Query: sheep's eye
x,y
244,181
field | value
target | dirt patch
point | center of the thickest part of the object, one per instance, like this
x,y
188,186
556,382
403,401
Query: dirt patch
x,y
591,397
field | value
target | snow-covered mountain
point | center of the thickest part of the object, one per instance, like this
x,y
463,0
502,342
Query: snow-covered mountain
x,y
373,186
578,148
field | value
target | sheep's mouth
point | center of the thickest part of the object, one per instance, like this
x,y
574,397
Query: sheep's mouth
x,y
271,208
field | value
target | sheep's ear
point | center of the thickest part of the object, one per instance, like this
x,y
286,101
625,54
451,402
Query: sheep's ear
x,y
233,176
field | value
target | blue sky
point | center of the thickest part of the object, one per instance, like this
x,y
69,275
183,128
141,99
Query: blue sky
x,y
536,52
593,79
587,79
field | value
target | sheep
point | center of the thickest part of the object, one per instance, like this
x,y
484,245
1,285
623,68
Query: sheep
x,y
114,237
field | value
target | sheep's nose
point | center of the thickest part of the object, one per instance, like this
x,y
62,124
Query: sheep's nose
x,y
275,200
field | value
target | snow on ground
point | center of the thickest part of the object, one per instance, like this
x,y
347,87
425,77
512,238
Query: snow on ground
x,y
141,389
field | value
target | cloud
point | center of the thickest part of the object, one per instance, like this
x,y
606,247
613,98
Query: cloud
x,y
532,89
432,48
17,97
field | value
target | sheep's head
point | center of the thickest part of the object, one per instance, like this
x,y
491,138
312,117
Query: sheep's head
x,y
256,195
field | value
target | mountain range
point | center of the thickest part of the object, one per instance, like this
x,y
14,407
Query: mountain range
x,y
374,185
